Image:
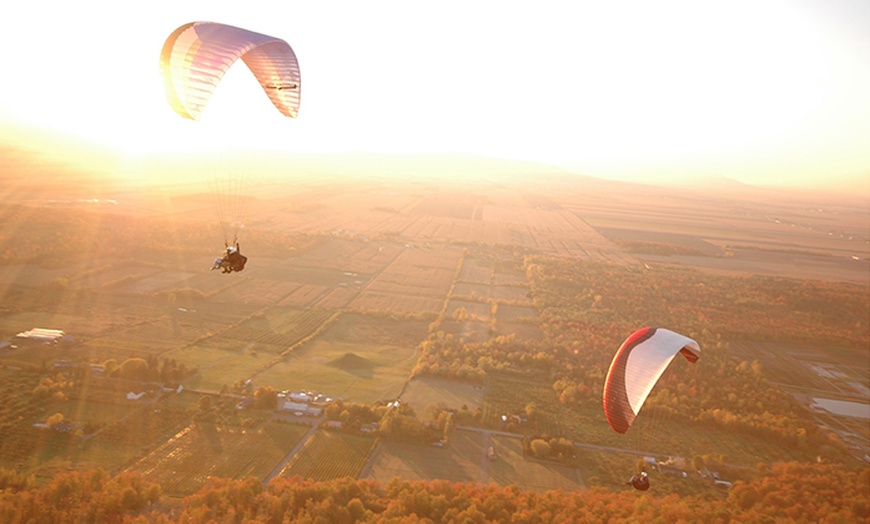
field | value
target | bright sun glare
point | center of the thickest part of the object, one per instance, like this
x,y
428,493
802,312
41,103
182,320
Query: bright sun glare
x,y
743,89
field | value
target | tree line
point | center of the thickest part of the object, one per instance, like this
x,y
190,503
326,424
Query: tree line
x,y
788,492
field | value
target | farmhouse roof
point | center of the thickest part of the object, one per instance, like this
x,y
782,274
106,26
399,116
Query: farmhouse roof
x,y
42,334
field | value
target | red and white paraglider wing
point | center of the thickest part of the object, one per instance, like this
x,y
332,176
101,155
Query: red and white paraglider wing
x,y
197,55
636,368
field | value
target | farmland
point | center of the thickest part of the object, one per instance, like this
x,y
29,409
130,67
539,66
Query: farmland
x,y
344,291
331,455
184,462
513,468
361,358
423,393
459,461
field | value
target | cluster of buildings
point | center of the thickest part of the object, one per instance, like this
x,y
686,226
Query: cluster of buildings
x,y
303,402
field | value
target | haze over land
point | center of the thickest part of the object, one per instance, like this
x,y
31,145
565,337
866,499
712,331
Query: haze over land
x,y
501,295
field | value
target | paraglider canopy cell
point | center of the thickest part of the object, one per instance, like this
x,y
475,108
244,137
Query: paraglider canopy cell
x,y
636,368
197,55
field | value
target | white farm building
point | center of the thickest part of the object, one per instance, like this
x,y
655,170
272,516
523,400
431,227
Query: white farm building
x,y
42,334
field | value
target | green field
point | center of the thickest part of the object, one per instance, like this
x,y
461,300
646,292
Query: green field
x,y
464,459
425,392
512,468
199,356
459,461
227,371
358,357
357,371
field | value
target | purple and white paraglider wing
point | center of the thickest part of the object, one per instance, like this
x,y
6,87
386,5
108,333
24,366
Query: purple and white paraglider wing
x,y
197,55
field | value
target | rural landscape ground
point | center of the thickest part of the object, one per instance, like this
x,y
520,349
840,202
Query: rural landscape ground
x,y
498,302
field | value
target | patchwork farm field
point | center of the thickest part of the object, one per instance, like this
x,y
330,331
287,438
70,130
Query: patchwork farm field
x,y
361,259
243,350
342,301
331,455
277,326
84,326
261,292
183,463
826,240
416,282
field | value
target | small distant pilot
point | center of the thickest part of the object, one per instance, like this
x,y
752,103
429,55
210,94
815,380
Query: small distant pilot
x,y
640,482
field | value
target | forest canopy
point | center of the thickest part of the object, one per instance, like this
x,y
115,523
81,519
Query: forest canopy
x,y
789,492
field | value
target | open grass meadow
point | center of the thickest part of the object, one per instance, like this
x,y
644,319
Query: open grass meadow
x,y
513,468
423,393
461,460
227,371
119,348
355,371
363,358
196,356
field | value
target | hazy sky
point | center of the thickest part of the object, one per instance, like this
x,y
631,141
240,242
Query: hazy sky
x,y
762,91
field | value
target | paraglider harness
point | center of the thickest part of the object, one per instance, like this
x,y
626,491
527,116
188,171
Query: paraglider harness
x,y
233,260
639,482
